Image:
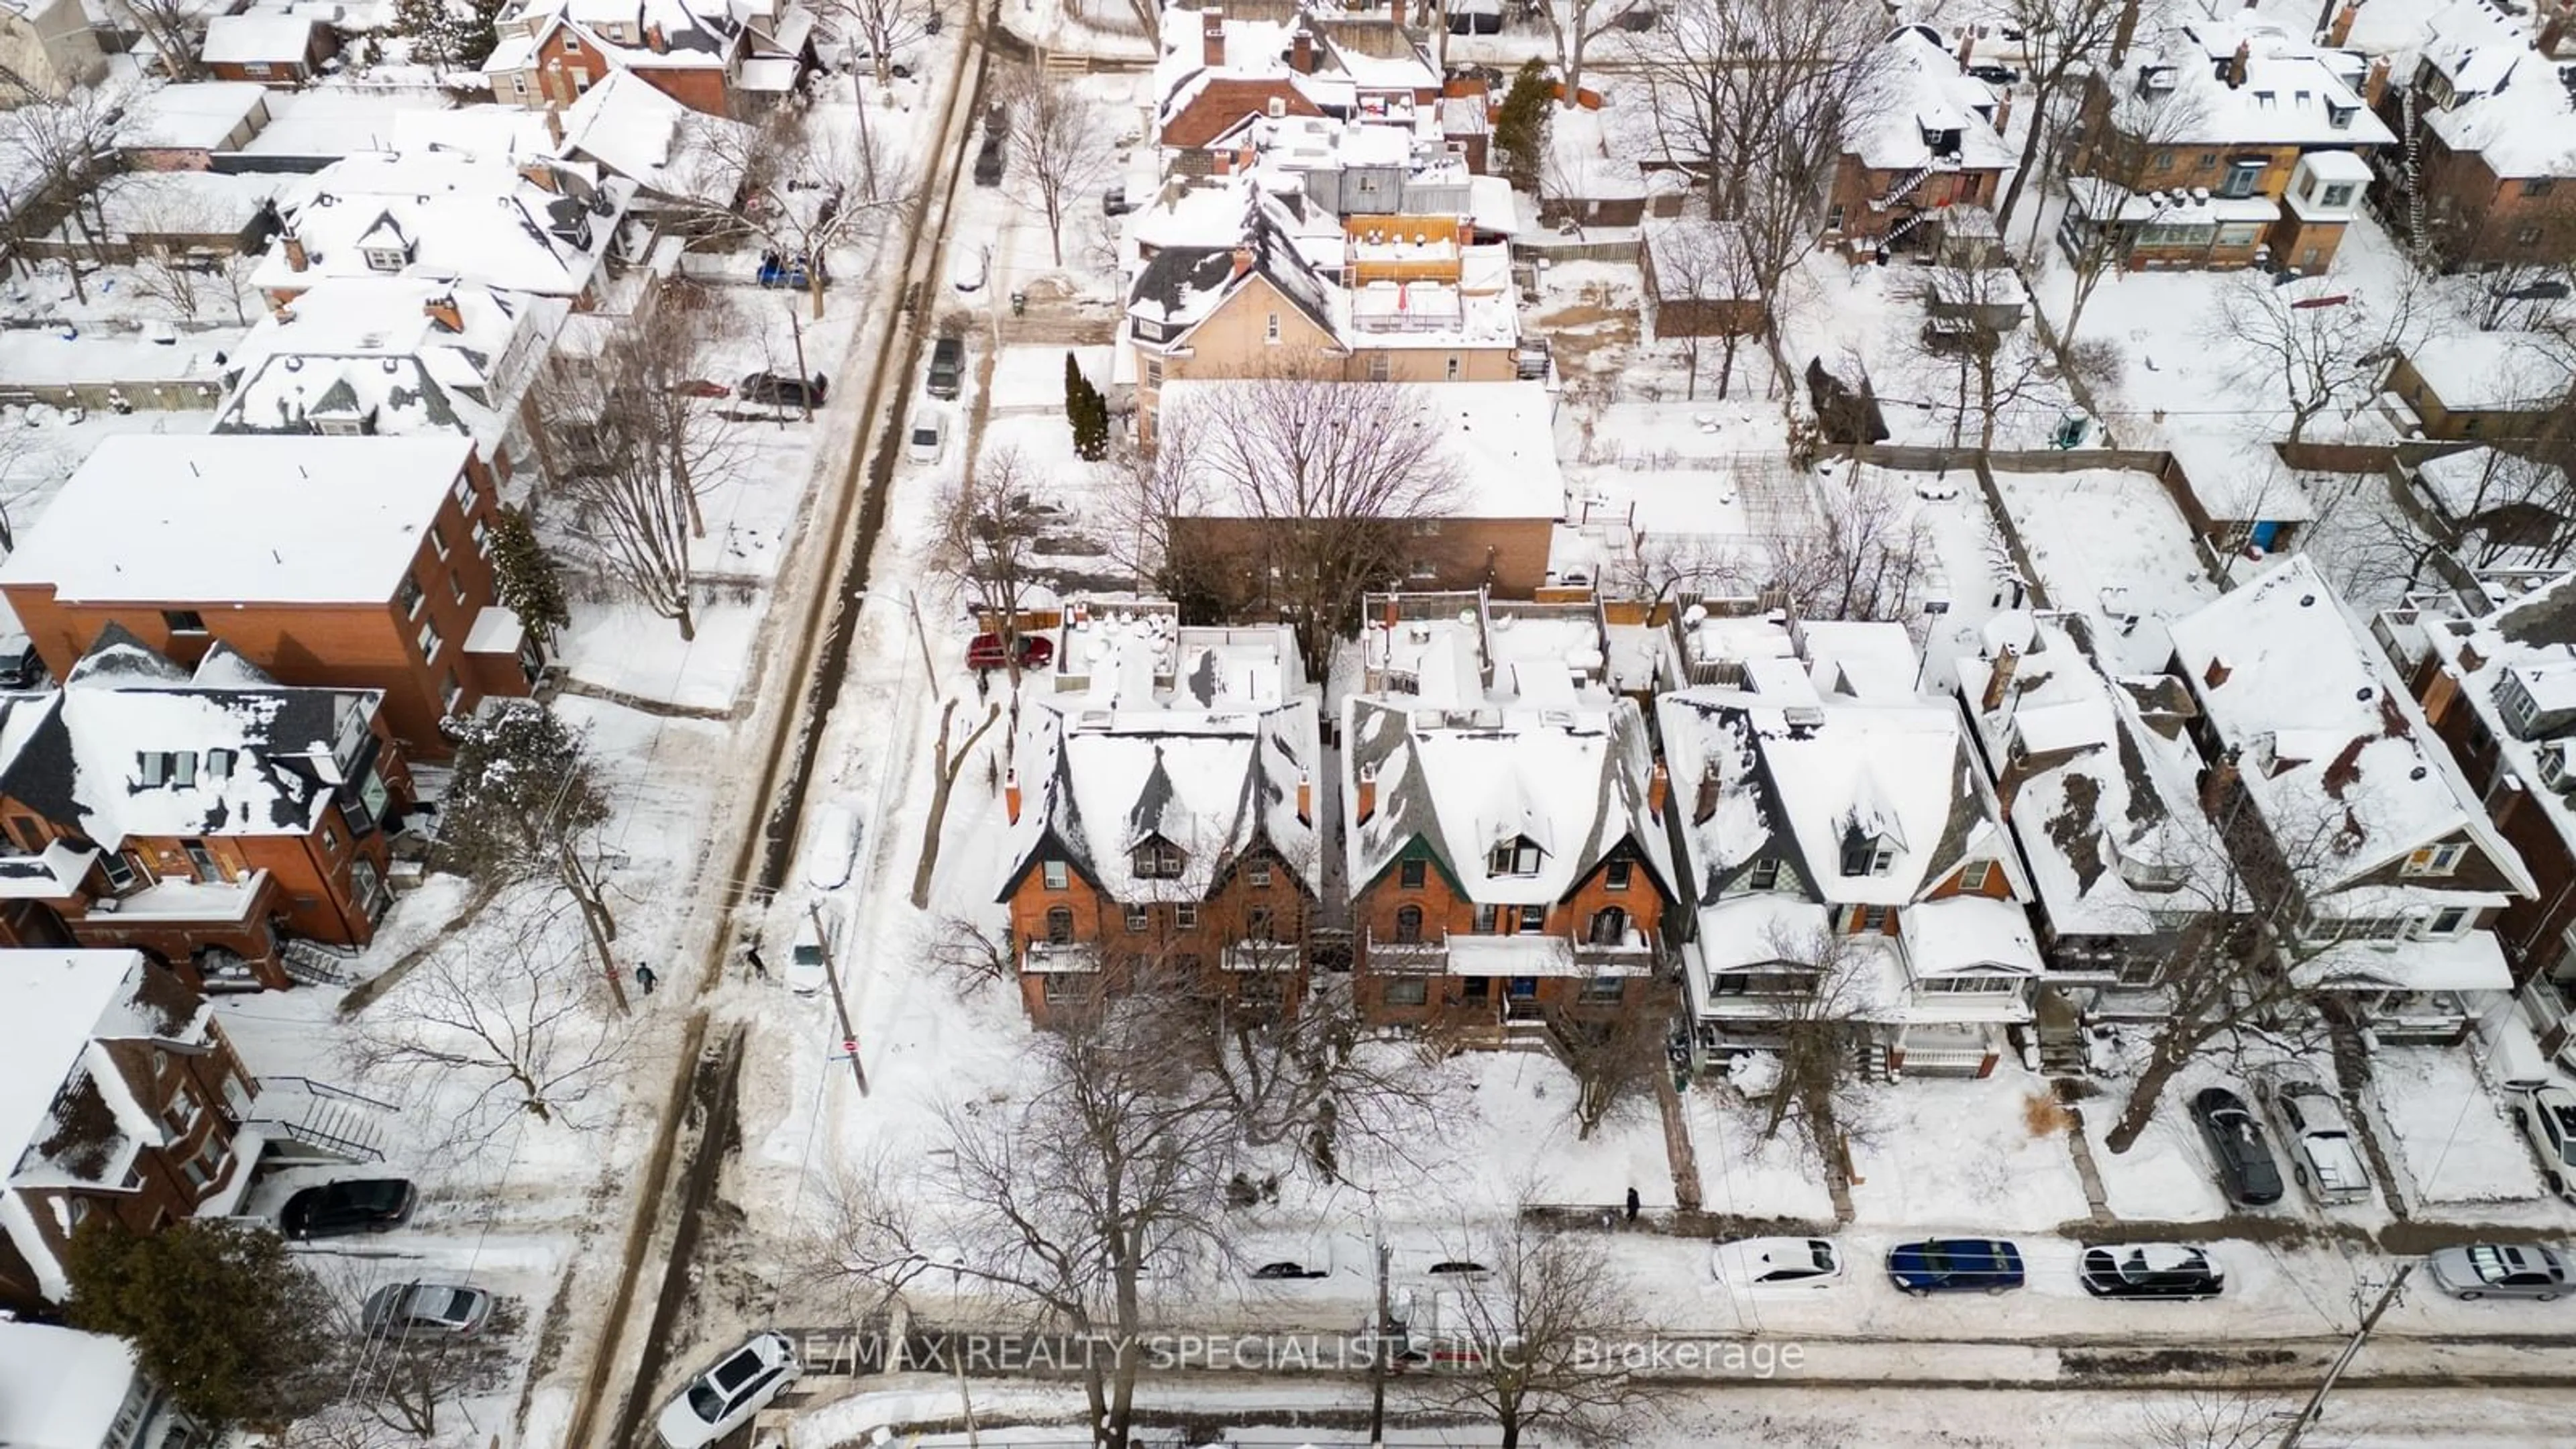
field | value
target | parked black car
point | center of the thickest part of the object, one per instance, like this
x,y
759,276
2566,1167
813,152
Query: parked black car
x,y
357,1205
2151,1270
947,366
1995,75
19,666
2246,1171
788,392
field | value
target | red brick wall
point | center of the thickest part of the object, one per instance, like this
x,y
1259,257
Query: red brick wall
x,y
1224,919
1224,103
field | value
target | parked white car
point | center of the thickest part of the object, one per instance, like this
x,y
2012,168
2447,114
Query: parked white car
x,y
969,259
2547,1117
805,970
1777,1263
2325,1155
928,438
832,847
724,1398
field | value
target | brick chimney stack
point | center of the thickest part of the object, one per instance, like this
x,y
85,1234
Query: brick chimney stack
x,y
2007,663
1305,798
1367,795
1967,47
655,41
1301,51
1706,805
1242,261
2552,41
296,260
442,309
1659,790
2236,64
1212,37
2339,30
2374,84
1011,794
2218,784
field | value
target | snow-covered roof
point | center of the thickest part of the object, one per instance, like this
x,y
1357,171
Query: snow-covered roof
x,y
1501,435
192,114
376,353
1753,930
1925,111
1967,933
2238,479
180,203
488,130
638,132
2103,806
1470,736
2332,749
2507,102
2294,93
2502,371
1199,739
159,518
447,214
61,1388
639,34
262,36
331,121
1185,282
1357,59
2473,961
2533,640
2468,483
30,358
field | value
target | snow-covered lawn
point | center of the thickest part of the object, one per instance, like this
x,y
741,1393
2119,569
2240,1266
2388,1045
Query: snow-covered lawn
x,y
1742,1175
2165,1176
1869,319
2454,1142
2111,544
1964,1155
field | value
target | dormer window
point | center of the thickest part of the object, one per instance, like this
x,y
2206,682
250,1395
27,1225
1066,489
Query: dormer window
x,y
1519,856
2339,117
2435,860
384,259
1765,875
1158,859
1868,855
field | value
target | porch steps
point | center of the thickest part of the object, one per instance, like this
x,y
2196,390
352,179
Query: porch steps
x,y
315,964
307,1121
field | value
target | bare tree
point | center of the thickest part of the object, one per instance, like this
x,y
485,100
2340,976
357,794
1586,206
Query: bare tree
x,y
175,28
1107,1176
2310,349
1706,267
488,1035
1614,1060
988,531
1537,1338
2212,1417
1867,552
2121,185
796,190
970,956
1140,495
1326,479
185,279
62,149
1817,1094
400,1383
1974,333
525,802
2065,43
1059,148
1573,25
948,761
877,29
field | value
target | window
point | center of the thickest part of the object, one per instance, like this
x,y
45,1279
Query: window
x,y
1604,990
1059,925
463,491
449,692
1533,918
2339,117
1259,925
2244,177
2448,922
1408,925
1055,874
1453,367
411,598
1873,918
1153,372
1377,367
1514,857
202,861
1478,987
1270,333
384,259
330,840
182,1113
1185,916
205,1163
2164,161
1972,876
1765,875
572,43
482,535
183,768
154,767
429,640
1062,986
2528,236
438,538
1258,873
1406,991
1834,219
1609,927
183,621
255,69
456,585
2539,185
2339,194
1485,920
1158,860
1618,874
118,870
1138,918
2435,860
1410,874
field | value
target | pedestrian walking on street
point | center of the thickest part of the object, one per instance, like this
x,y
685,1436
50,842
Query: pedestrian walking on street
x,y
1632,1192
644,978
759,967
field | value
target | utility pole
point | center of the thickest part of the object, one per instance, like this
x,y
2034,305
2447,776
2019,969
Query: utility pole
x,y
2316,1406
1377,1355
840,1003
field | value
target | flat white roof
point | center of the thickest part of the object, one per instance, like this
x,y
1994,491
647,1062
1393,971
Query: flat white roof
x,y
53,1001
239,518
60,1388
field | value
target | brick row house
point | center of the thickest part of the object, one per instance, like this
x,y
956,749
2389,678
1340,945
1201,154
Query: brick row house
x,y
360,563
2229,144
2482,172
1164,812
717,58
2366,852
1508,871
1226,62
212,819
119,1095
1844,858
1933,143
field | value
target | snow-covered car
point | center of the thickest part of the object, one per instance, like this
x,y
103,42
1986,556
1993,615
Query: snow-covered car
x,y
1777,1263
832,846
724,1398
805,972
927,439
2547,1117
984,651
2497,1270
2325,1157
1955,1265
970,260
2151,1270
425,1310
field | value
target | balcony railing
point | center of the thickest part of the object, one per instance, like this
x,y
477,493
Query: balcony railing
x,y
1042,955
1389,955
1263,956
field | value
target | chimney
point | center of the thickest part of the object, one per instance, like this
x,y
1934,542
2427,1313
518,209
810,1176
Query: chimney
x,y
1967,46
1011,794
1659,789
1242,261
295,258
554,125
2339,29
1211,37
2007,663
2217,672
2375,83
1301,51
1367,794
2218,783
443,310
1305,798
2236,64
1706,805
2003,111
654,41
2551,41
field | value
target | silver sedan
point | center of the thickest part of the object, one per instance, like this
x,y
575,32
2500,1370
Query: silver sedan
x,y
2498,1270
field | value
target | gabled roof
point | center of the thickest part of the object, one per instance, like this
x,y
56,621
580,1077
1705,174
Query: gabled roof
x,y
76,758
2331,747
456,215
2294,93
268,36
1183,286
2509,104
379,348
1921,92
694,34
